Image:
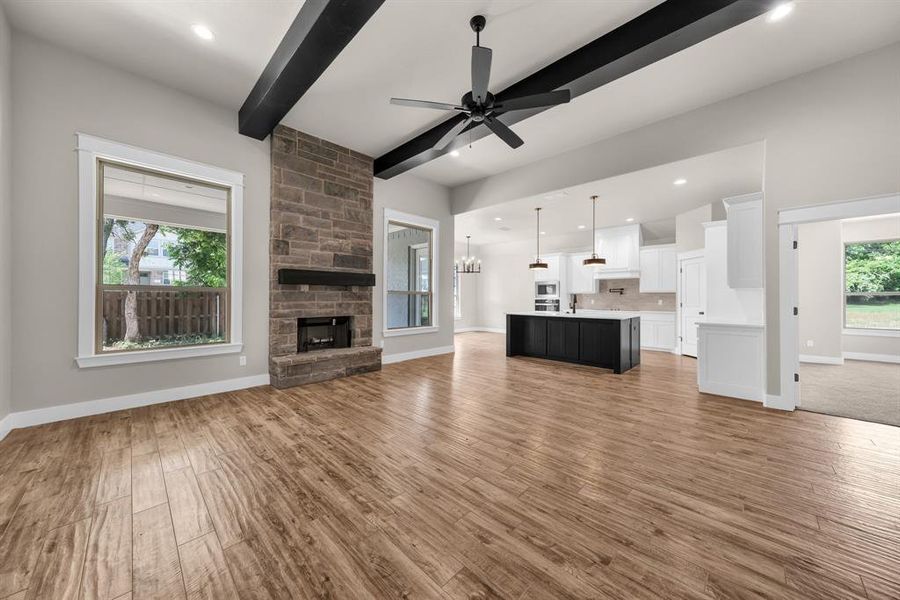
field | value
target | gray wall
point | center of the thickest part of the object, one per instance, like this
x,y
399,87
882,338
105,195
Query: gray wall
x,y
5,221
689,232
56,93
830,135
407,193
819,285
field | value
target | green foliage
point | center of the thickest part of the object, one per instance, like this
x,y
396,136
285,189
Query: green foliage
x,y
202,255
115,269
873,267
190,339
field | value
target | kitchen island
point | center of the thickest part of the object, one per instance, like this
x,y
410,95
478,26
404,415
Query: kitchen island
x,y
605,339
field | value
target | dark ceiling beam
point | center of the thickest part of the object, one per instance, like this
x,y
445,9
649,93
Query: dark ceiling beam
x,y
662,31
318,34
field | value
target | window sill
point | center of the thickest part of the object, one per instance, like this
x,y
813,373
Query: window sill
x,y
409,331
873,332
141,356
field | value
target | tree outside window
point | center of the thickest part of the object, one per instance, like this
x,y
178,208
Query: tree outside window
x,y
872,285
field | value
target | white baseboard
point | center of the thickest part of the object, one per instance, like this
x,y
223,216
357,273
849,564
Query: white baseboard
x,y
487,329
62,412
5,426
778,403
887,358
821,360
404,356
732,391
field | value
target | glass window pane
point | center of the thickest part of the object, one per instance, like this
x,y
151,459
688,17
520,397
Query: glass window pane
x,y
872,285
409,276
140,320
160,232
155,225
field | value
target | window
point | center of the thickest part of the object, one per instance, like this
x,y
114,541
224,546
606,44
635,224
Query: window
x,y
457,306
410,303
872,285
159,240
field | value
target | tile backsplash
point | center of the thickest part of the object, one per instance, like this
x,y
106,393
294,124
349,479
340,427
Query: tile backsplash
x,y
631,299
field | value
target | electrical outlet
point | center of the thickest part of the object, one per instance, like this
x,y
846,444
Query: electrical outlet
x,y
243,360
592,301
659,301
810,343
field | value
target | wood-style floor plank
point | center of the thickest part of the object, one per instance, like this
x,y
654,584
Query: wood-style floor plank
x,y
107,568
157,569
58,572
465,476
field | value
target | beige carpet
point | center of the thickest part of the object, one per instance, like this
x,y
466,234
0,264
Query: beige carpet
x,y
868,391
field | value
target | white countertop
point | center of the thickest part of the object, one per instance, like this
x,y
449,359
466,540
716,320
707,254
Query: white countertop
x,y
612,315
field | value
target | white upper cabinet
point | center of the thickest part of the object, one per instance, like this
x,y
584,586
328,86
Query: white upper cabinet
x,y
552,272
658,268
580,278
745,241
620,246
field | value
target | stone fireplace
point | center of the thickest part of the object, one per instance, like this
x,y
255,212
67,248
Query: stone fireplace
x,y
320,231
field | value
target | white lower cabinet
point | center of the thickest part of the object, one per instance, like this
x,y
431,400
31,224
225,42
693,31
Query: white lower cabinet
x,y
731,360
658,330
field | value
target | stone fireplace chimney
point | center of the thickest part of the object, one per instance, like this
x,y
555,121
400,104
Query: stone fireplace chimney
x,y
321,220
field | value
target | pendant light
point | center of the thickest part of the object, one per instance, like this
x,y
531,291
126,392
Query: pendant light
x,y
594,260
467,264
538,263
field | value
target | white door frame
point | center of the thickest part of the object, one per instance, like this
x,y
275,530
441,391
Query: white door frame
x,y
681,256
789,287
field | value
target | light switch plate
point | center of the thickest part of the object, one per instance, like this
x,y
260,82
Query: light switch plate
x,y
243,360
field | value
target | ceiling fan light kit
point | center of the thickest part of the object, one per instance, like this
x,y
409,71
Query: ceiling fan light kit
x,y
479,106
538,263
594,260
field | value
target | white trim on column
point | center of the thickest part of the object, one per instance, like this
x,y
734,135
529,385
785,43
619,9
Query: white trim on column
x,y
64,412
91,149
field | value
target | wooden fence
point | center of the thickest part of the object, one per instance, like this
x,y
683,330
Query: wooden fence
x,y
167,312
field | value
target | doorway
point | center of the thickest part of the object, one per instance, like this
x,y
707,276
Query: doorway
x,y
691,299
819,387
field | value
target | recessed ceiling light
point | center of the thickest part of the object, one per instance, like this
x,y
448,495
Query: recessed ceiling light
x,y
780,12
454,153
498,218
680,181
582,226
629,219
543,233
202,31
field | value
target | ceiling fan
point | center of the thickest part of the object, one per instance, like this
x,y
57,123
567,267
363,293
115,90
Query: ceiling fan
x,y
479,105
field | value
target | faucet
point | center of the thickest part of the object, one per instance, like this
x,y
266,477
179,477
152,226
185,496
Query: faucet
x,y
574,303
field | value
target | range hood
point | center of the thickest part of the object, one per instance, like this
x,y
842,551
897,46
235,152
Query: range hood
x,y
616,274
316,277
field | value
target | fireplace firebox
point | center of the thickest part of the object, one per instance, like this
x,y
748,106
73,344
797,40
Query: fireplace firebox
x,y
320,333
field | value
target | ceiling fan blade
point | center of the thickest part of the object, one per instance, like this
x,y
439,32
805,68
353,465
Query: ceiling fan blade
x,y
454,131
481,73
535,101
503,132
426,104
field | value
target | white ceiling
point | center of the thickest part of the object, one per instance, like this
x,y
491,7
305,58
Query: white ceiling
x,y
649,197
154,38
126,183
421,50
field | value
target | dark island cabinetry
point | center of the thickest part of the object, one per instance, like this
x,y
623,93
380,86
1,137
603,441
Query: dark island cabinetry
x,y
607,343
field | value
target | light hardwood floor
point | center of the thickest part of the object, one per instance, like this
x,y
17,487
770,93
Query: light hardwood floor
x,y
458,476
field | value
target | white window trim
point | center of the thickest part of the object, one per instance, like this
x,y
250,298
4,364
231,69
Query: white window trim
x,y
91,149
426,223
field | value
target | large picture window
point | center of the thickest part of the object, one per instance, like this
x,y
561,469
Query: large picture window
x,y
159,256
872,285
410,277
163,261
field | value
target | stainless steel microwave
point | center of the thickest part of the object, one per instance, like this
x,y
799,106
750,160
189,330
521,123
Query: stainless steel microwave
x,y
546,289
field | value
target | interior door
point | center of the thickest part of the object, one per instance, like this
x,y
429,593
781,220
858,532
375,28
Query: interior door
x,y
692,303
